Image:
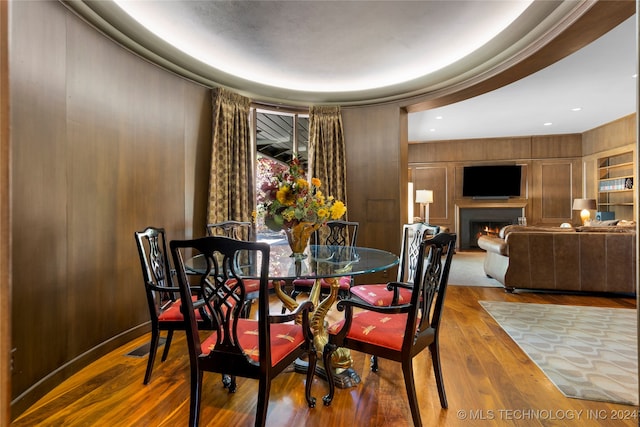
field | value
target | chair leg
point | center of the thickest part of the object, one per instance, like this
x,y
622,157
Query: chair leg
x,y
407,370
326,358
153,348
229,382
374,363
437,370
264,386
311,370
196,391
167,344
226,380
246,310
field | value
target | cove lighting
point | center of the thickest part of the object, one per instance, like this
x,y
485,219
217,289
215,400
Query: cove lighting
x,y
229,51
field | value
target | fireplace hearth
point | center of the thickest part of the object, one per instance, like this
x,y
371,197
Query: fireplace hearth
x,y
476,221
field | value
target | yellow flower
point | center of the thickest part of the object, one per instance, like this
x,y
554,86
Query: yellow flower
x,y
285,196
338,209
291,199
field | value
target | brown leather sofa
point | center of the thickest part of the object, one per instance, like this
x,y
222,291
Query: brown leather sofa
x,y
583,259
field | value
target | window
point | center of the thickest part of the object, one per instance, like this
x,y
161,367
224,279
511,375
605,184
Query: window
x,y
279,137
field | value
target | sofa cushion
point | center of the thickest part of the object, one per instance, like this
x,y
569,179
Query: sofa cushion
x,y
603,229
607,223
504,232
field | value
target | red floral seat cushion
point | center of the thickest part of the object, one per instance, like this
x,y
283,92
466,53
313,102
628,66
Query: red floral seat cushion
x,y
173,314
379,295
385,330
284,339
251,285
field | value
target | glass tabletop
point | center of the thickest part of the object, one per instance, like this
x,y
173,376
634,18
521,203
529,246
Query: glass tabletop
x,y
321,262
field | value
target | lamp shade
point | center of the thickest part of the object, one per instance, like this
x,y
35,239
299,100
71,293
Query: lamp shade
x,y
580,204
424,196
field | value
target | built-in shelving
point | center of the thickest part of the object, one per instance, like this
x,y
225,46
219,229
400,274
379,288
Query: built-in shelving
x,y
615,185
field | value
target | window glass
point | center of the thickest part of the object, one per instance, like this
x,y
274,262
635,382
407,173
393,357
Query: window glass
x,y
279,137
303,140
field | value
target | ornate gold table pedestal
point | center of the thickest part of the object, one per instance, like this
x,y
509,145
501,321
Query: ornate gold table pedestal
x,y
344,375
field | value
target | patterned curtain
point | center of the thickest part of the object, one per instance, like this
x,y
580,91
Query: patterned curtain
x,y
231,189
327,159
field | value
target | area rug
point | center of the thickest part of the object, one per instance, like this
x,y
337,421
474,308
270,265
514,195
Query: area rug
x,y
467,269
587,352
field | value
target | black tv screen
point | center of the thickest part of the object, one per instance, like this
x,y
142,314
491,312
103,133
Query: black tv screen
x,y
497,181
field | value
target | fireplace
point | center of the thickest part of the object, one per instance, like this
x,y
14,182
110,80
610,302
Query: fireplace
x,y
475,221
478,228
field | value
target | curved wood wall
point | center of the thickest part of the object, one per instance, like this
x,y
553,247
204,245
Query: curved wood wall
x,y
103,144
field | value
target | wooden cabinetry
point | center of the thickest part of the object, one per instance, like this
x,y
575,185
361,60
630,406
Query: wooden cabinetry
x,y
615,185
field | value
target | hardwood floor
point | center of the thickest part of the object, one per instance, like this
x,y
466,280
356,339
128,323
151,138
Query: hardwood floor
x,y
488,379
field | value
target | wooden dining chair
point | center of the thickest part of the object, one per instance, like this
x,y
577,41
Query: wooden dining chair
x,y
382,294
400,332
162,294
239,230
333,233
260,347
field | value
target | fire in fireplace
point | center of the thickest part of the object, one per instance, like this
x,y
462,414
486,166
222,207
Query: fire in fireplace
x,y
480,228
474,220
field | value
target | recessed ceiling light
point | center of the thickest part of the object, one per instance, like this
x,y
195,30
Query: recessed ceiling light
x,y
439,118
548,124
432,130
576,109
634,76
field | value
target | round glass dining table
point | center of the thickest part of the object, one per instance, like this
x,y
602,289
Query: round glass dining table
x,y
320,262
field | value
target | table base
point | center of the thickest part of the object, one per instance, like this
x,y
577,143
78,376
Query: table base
x,y
346,379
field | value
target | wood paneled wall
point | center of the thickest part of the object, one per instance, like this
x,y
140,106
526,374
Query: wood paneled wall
x,y
610,136
103,144
607,140
556,169
553,159
5,235
377,176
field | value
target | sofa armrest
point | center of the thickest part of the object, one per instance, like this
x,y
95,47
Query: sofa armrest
x,y
493,244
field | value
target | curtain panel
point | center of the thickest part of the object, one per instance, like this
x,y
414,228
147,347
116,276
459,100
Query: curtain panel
x,y
231,188
327,159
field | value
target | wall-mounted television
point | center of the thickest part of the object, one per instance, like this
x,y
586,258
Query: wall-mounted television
x,y
491,181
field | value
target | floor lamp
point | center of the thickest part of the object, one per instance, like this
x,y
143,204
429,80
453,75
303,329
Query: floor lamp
x,y
425,197
584,206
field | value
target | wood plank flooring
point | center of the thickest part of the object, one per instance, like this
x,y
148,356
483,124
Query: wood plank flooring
x,y
488,379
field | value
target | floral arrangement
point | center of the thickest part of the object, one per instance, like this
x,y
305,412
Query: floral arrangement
x,y
290,199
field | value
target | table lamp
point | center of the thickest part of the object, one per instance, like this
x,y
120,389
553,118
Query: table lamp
x,y
424,197
584,206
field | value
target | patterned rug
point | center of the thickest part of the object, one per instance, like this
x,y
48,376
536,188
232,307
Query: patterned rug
x,y
587,352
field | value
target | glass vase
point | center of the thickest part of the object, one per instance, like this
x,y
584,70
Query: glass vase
x,y
298,237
